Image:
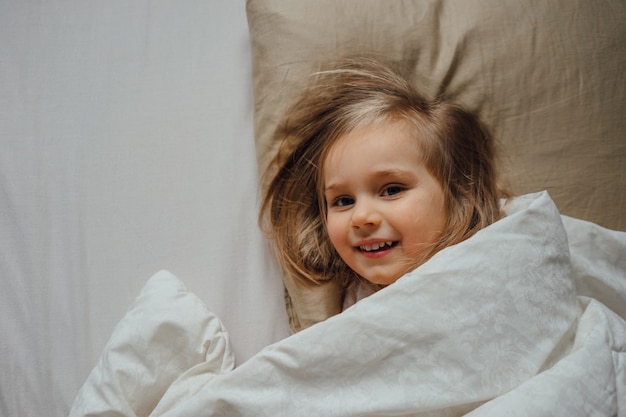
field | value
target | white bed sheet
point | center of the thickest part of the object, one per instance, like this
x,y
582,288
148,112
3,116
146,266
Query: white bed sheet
x,y
126,147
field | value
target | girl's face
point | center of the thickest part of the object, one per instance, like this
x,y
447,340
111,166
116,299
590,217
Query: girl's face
x,y
385,210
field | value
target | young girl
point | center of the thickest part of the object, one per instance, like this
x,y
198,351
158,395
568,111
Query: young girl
x,y
372,179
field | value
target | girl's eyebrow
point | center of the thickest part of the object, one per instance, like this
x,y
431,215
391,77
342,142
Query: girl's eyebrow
x,y
393,172
330,187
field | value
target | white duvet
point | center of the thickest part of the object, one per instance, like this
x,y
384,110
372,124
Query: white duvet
x,y
516,321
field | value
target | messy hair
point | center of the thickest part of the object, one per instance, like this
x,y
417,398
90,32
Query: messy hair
x,y
457,151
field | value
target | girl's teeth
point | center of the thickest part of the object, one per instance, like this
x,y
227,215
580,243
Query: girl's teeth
x,y
375,246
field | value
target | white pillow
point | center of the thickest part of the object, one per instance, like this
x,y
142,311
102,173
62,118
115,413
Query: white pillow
x,y
166,332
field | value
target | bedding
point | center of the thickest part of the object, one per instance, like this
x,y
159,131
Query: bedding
x,y
120,120
491,326
126,147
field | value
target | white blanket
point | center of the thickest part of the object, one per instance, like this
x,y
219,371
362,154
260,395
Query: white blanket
x,y
491,326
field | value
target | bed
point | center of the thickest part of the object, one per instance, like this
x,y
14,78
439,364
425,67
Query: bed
x,y
127,147
136,282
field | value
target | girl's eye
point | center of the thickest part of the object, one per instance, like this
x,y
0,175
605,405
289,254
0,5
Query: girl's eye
x,y
343,201
392,190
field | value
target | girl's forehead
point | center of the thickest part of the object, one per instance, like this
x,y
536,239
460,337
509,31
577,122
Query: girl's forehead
x,y
387,135
382,147
383,143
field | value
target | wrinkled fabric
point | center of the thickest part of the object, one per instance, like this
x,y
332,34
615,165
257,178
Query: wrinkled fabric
x,y
167,331
491,325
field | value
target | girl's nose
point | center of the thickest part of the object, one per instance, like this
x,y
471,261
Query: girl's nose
x,y
364,216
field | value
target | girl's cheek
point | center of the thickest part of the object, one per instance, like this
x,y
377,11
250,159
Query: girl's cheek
x,y
335,233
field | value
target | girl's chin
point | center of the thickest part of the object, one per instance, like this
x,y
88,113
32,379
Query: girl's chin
x,y
383,281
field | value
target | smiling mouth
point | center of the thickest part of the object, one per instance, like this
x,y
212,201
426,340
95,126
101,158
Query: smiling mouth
x,y
377,247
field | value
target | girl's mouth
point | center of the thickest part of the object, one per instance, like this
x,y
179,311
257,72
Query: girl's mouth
x,y
377,247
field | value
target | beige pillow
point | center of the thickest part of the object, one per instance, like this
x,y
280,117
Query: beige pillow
x,y
549,78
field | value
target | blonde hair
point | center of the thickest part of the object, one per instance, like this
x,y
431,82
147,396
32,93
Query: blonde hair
x,y
355,93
